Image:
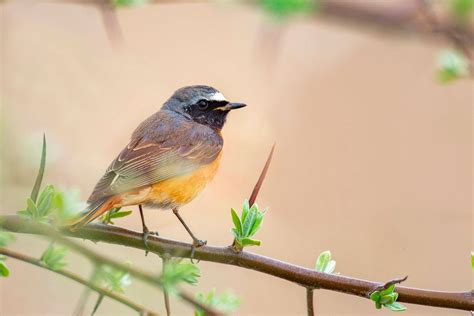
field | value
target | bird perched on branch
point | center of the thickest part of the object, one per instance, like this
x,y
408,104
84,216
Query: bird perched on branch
x,y
170,158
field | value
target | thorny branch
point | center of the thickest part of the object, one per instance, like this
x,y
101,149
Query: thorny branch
x,y
224,255
305,277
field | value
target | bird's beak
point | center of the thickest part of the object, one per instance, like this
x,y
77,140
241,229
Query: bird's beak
x,y
231,106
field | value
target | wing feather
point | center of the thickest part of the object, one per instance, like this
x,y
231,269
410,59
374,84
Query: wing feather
x,y
148,159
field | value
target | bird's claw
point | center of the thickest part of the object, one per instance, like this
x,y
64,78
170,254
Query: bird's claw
x,y
146,234
196,244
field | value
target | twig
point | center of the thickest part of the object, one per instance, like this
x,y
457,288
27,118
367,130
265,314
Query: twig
x,y
224,255
97,304
78,279
81,304
111,22
309,301
166,296
401,16
96,258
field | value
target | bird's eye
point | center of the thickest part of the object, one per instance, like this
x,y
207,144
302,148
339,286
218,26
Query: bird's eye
x,y
202,104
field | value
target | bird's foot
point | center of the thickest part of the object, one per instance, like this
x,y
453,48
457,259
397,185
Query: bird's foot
x,y
196,244
146,234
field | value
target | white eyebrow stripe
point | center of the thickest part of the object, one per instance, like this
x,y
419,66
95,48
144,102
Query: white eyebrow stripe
x,y
217,97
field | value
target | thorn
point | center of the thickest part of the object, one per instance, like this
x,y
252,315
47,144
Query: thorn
x,y
390,283
259,183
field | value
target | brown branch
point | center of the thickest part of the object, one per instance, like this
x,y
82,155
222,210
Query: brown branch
x,y
309,301
224,255
401,16
103,292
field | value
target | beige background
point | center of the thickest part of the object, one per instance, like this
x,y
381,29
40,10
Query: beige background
x,y
373,157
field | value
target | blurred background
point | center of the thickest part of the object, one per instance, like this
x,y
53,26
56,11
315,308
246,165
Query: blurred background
x,y
373,158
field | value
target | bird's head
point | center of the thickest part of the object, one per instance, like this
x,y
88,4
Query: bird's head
x,y
203,104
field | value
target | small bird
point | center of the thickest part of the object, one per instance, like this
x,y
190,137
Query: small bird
x,y
170,158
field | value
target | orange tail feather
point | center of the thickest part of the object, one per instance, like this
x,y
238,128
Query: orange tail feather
x,y
93,211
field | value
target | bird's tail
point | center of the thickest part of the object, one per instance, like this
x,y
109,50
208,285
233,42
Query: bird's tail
x,y
91,212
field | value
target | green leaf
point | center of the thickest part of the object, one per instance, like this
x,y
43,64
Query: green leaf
x,y
113,279
462,9
45,200
285,8
6,238
388,298
177,272
4,271
331,266
250,242
226,303
324,263
53,257
452,65
53,205
39,177
257,223
396,307
388,290
323,259
114,213
31,208
472,259
121,214
246,226
128,3
236,220
375,296
248,222
23,213
245,210
235,233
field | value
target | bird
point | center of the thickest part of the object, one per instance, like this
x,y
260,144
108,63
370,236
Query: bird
x,y
170,158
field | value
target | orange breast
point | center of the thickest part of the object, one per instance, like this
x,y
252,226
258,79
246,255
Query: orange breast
x,y
181,190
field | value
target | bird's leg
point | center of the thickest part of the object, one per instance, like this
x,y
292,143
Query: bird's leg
x,y
196,242
146,232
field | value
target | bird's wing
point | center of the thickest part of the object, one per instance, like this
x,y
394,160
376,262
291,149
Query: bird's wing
x,y
166,154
